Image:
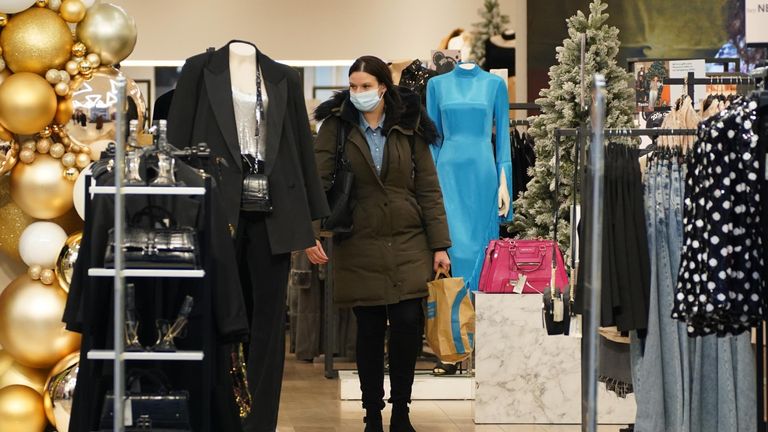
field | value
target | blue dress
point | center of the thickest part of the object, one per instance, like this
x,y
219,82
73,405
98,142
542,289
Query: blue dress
x,y
465,105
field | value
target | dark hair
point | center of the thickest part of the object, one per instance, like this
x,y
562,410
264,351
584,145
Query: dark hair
x,y
376,67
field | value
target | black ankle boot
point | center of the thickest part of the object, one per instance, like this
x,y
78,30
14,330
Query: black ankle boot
x,y
372,421
400,422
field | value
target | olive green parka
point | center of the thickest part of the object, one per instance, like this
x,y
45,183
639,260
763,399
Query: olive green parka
x,y
398,216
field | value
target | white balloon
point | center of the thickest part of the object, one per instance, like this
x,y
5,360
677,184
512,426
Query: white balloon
x,y
40,244
15,6
78,193
54,5
89,3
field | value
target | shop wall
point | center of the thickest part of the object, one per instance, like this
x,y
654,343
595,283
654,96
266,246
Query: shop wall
x,y
310,30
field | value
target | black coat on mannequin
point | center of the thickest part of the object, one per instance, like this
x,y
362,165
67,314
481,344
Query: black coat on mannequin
x,y
202,111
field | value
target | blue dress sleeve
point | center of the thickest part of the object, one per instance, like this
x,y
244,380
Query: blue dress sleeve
x,y
433,110
503,150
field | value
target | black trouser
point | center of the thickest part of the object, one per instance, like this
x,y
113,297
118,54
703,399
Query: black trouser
x,y
264,278
405,329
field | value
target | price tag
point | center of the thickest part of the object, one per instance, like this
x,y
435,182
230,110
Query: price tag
x,y
575,327
558,310
520,285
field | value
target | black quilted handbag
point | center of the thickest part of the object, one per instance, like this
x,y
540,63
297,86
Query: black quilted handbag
x,y
339,195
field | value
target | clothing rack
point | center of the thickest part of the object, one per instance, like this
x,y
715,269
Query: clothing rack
x,y
690,82
515,123
524,106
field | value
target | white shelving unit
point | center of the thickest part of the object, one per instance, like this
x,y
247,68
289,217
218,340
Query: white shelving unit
x,y
163,273
148,355
147,190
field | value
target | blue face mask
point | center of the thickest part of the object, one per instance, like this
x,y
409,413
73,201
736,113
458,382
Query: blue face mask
x,y
365,101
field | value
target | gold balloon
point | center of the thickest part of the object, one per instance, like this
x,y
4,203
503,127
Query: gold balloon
x,y
52,76
44,145
13,221
65,265
47,276
72,11
61,89
5,73
9,154
68,160
40,188
109,32
36,40
29,144
86,67
18,374
41,3
35,336
95,107
64,110
59,391
93,59
21,408
79,49
6,361
57,150
3,19
27,102
72,67
27,156
34,272
82,160
71,173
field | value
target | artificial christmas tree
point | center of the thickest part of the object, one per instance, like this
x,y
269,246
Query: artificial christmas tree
x,y
493,24
560,109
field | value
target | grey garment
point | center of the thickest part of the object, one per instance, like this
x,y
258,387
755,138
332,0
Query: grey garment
x,y
684,384
305,308
615,367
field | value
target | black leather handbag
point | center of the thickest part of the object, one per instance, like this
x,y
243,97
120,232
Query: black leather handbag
x,y
556,310
156,410
339,195
168,246
255,196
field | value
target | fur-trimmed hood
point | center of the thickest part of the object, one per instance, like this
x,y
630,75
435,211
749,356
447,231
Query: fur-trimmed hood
x,y
412,117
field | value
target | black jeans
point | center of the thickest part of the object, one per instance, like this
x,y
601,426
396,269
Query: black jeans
x,y
264,277
405,330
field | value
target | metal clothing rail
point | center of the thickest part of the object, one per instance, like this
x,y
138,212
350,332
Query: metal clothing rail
x,y
691,81
522,106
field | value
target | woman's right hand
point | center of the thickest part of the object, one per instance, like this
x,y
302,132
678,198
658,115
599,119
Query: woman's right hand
x,y
316,254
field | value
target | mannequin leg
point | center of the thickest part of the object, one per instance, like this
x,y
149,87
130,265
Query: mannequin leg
x,y
267,288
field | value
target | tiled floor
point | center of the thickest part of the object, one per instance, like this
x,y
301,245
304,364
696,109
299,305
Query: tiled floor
x,y
310,403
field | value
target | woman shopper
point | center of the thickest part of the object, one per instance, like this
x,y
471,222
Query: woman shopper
x,y
400,234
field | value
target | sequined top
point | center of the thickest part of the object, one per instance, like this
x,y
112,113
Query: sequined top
x,y
245,105
415,77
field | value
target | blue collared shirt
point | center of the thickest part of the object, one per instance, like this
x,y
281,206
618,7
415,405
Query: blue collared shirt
x,y
376,140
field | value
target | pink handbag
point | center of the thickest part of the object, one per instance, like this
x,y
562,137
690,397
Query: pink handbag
x,y
507,260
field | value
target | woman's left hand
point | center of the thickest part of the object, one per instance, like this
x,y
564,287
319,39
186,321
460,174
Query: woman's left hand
x,y
441,260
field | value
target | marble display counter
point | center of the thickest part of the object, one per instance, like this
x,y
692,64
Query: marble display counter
x,y
526,377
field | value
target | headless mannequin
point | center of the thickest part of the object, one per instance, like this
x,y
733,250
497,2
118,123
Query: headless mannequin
x,y
505,40
242,67
504,198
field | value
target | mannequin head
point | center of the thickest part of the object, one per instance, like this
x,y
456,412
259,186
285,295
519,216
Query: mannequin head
x,y
371,73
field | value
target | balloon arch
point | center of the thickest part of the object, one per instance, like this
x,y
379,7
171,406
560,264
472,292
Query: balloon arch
x,y
57,113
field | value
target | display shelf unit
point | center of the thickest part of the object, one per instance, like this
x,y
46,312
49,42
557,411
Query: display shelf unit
x,y
117,355
148,190
148,355
163,273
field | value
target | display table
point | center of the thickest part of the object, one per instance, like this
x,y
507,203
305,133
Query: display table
x,y
526,377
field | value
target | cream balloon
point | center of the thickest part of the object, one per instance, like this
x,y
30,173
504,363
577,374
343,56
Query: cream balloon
x,y
78,193
15,6
89,3
40,244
